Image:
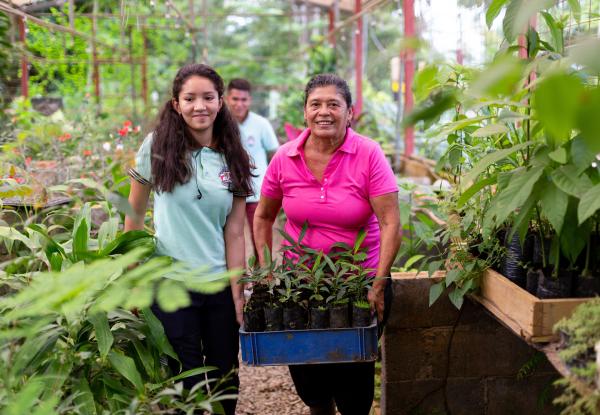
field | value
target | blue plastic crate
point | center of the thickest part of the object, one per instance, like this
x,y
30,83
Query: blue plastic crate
x,y
294,347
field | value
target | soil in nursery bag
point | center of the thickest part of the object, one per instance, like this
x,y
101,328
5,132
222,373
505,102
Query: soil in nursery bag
x,y
319,318
339,316
513,265
273,318
560,286
537,257
587,286
294,318
361,317
532,281
254,320
260,294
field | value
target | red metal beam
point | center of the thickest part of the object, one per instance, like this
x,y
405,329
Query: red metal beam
x,y
24,62
358,48
408,10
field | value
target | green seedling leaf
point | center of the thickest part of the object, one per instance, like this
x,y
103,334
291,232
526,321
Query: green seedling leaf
x,y
104,336
589,204
490,129
456,297
554,202
490,159
556,101
493,11
452,276
412,260
157,334
435,291
126,367
434,266
567,180
518,14
559,155
474,189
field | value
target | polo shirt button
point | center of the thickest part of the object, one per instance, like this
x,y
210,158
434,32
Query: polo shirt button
x,y
321,189
322,197
325,180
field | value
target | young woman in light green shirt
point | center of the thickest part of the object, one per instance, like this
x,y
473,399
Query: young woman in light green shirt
x,y
195,163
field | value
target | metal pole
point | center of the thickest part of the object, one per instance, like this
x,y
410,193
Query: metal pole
x,y
408,7
24,62
358,63
95,66
132,67
145,70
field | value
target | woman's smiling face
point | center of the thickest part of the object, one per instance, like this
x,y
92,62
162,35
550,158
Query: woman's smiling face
x,y
326,113
198,103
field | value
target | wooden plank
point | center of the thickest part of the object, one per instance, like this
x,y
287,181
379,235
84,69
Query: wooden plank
x,y
413,275
554,310
512,324
514,303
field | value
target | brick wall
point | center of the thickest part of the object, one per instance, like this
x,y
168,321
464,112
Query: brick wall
x,y
440,360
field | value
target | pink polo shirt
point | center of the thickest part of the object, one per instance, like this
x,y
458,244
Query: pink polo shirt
x,y
338,207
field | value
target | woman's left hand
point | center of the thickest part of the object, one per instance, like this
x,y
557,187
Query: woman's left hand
x,y
239,309
375,297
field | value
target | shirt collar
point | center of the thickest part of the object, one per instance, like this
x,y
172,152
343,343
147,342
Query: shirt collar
x,y
348,146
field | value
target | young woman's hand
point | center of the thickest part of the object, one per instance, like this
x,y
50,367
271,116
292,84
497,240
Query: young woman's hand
x,y
239,309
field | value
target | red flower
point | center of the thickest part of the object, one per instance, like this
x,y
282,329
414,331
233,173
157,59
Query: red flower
x,y
123,131
127,123
87,153
64,137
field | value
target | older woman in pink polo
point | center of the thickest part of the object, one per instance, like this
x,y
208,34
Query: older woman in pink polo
x,y
340,182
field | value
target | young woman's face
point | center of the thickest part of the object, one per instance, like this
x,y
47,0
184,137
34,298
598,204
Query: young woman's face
x,y
326,113
198,103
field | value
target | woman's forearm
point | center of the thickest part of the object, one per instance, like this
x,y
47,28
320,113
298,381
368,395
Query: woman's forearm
x,y
235,244
138,201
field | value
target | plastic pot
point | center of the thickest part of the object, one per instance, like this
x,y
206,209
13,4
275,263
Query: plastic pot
x,y
294,317
361,316
254,320
339,316
319,318
587,286
555,287
532,281
273,318
513,265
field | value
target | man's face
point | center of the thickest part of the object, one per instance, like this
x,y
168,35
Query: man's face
x,y
239,102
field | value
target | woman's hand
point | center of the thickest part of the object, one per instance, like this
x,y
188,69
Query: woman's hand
x,y
375,297
239,309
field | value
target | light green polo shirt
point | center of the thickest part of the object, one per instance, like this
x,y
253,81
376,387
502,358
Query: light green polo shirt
x,y
189,228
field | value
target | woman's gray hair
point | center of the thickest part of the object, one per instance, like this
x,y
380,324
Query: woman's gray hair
x,y
328,79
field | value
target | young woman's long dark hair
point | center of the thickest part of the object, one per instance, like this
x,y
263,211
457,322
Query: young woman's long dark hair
x,y
172,142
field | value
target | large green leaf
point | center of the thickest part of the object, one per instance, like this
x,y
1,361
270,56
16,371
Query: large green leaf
x,y
51,244
172,295
553,202
490,159
567,180
490,129
582,154
573,236
80,240
588,120
474,189
557,100
493,11
502,77
518,14
575,6
157,334
14,235
104,336
514,196
555,31
435,291
126,367
589,203
84,397
457,297
127,242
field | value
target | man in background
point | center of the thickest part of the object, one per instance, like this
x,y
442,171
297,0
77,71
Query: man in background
x,y
258,139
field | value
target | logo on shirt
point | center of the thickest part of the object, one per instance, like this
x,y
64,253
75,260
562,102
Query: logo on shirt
x,y
250,140
225,176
